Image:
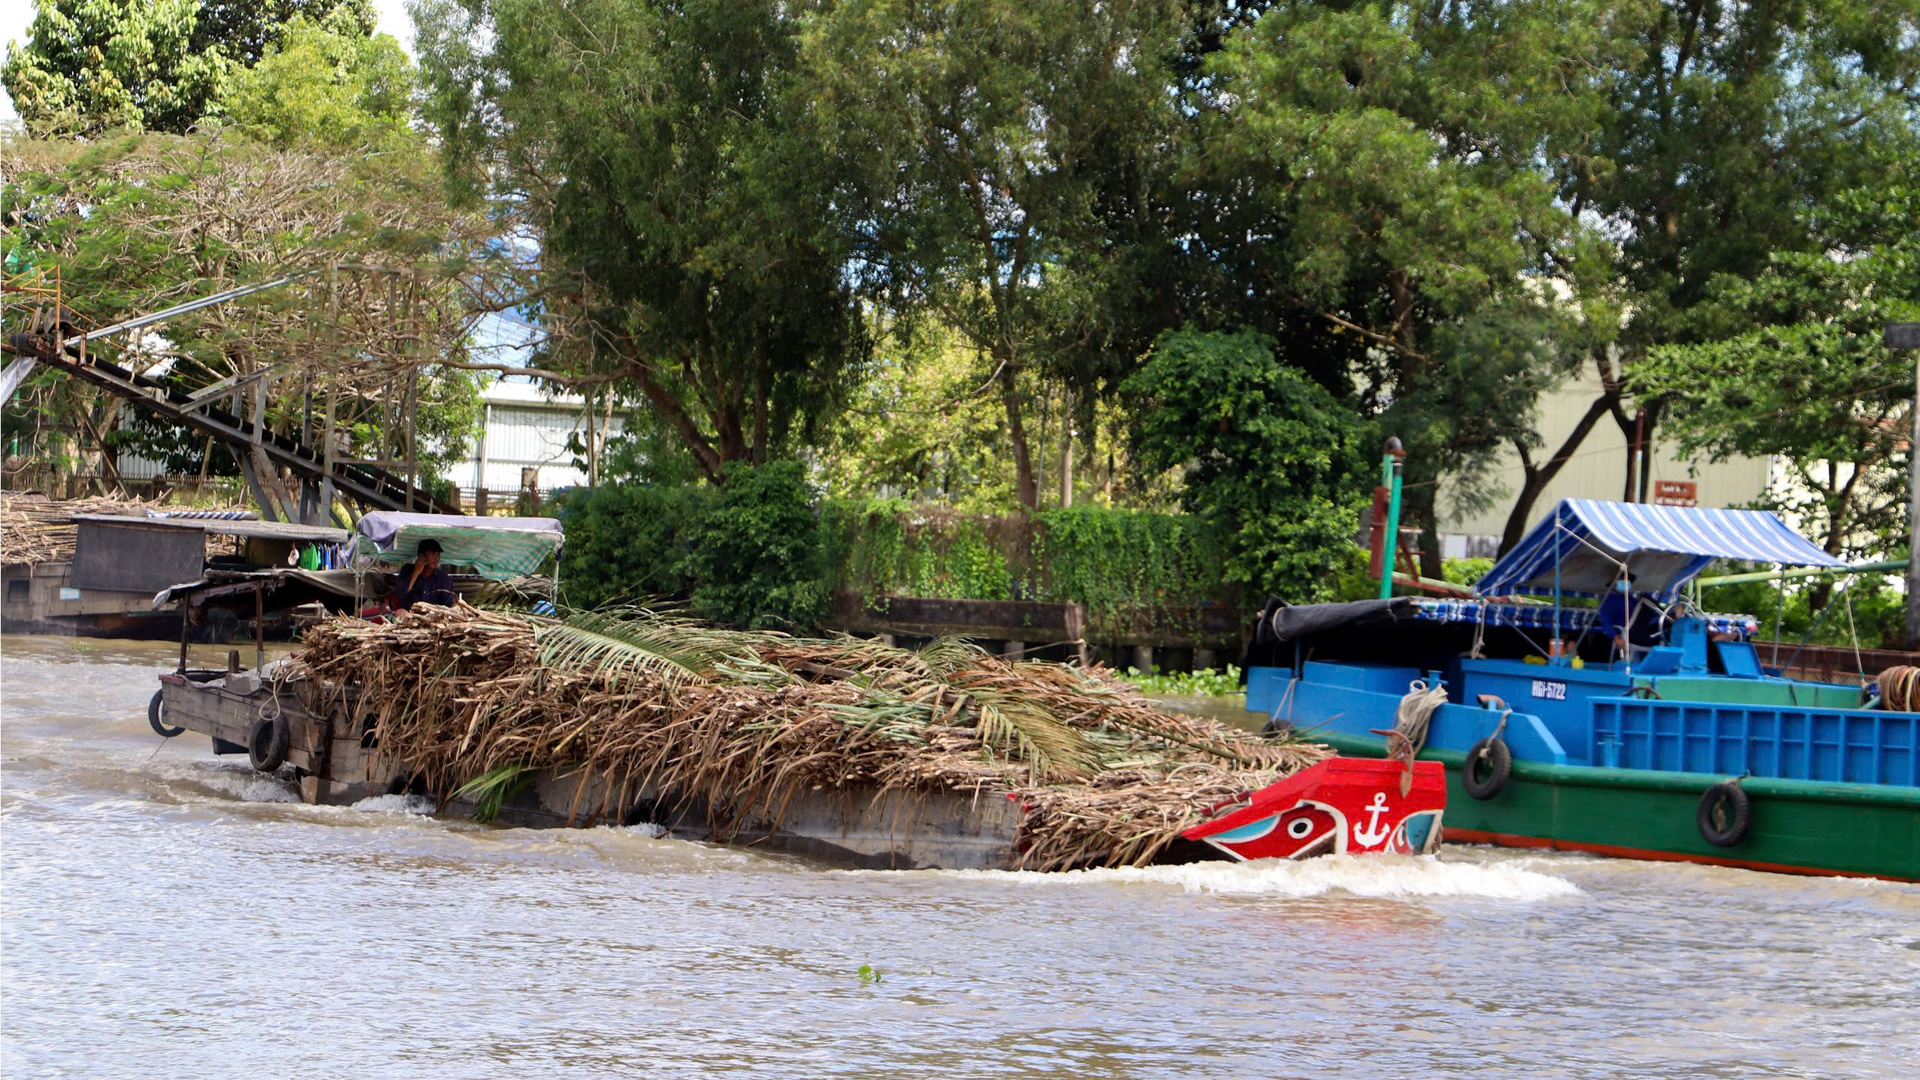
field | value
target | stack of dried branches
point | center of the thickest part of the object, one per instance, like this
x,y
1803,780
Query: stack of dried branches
x,y
36,529
644,706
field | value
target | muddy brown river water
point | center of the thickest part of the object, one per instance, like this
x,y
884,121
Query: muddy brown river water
x,y
165,913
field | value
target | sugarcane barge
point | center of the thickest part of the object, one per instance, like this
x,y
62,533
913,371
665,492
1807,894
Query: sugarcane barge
x,y
853,750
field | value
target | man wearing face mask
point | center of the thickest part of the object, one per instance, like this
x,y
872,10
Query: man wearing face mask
x,y
1629,630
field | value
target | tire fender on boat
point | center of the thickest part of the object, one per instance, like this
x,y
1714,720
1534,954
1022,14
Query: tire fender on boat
x,y
154,711
1739,814
267,744
1498,758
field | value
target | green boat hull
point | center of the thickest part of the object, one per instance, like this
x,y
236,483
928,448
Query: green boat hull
x,y
1798,826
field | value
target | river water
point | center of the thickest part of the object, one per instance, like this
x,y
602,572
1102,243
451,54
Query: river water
x,y
170,914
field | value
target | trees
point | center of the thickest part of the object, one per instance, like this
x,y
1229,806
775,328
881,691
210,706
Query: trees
x,y
1390,154
1274,464
688,234
157,65
327,83
984,133
89,65
1722,122
137,223
1788,364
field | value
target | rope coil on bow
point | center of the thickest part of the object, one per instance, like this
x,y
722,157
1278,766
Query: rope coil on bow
x,y
1409,732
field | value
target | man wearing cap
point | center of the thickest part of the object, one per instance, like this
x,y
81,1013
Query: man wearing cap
x,y
422,580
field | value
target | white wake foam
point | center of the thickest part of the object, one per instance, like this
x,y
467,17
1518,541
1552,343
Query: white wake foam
x,y
395,804
247,787
1385,876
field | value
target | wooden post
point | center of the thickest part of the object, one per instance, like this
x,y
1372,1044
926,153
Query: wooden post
x,y
186,628
413,475
326,458
480,502
259,626
1907,336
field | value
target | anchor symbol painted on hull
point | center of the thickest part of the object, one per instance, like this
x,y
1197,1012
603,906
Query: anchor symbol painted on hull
x,y
1373,834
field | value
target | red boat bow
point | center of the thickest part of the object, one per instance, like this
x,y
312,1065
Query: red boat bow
x,y
1339,806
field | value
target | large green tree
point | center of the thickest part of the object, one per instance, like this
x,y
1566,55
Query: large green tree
x,y
158,65
1273,462
1388,160
1789,365
327,83
986,132
682,232
1724,123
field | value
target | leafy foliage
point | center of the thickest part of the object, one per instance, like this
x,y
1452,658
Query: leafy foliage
x,y
1792,367
90,65
1391,151
1206,682
326,83
977,130
756,552
135,223
691,246
1128,567
629,542
1870,612
1273,463
154,65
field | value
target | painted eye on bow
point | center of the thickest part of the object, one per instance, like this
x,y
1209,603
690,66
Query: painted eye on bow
x,y
1298,828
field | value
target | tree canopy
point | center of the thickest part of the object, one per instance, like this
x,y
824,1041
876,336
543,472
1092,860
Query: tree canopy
x,y
154,65
998,253
1789,364
691,245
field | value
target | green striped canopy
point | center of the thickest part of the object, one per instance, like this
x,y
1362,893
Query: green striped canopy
x,y
496,548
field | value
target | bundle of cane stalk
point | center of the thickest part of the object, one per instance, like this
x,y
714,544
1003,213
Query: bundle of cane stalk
x,y
742,722
36,529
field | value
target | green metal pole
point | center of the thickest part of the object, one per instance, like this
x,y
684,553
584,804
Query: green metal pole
x,y
1390,475
1815,571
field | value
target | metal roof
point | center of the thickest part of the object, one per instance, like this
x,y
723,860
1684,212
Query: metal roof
x,y
1590,541
270,530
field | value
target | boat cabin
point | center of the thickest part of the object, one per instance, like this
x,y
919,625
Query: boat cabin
x,y
1526,660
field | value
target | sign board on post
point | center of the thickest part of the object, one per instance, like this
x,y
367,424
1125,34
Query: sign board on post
x,y
1676,493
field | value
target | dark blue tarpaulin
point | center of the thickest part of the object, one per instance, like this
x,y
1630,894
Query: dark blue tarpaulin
x,y
1661,546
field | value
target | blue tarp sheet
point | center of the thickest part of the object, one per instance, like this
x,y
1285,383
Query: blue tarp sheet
x,y
1662,546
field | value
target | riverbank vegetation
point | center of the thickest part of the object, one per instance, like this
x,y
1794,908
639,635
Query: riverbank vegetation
x,y
1041,299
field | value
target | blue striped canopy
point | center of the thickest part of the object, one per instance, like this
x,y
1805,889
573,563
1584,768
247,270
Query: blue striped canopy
x,y
1662,546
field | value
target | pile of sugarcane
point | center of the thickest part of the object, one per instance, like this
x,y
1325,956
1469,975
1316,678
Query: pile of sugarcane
x,y
740,723
36,529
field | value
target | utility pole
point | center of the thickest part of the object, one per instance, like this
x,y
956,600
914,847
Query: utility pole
x,y
1907,336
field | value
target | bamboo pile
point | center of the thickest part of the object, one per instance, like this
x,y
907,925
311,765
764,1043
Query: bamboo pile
x,y
741,723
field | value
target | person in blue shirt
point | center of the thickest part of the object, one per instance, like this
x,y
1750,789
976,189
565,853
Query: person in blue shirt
x,y
422,580
1626,620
